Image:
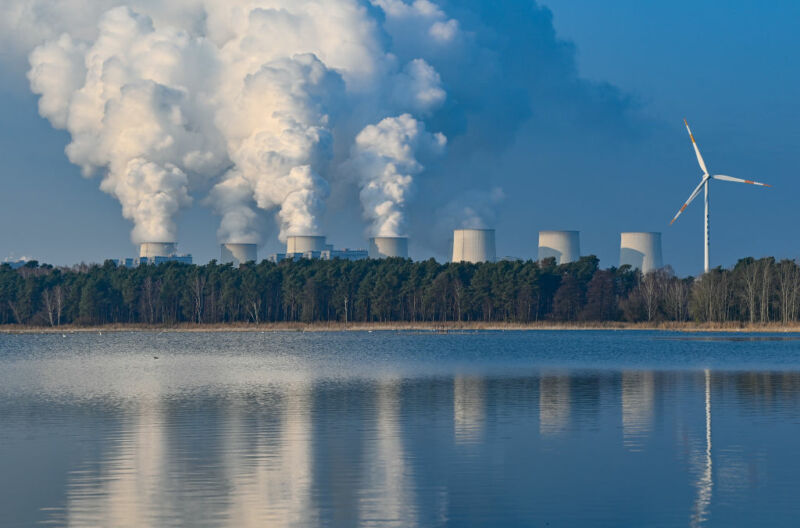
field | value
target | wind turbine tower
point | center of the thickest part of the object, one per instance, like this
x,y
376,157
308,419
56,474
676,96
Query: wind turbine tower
x,y
704,185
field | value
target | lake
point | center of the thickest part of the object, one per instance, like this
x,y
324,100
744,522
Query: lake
x,y
541,428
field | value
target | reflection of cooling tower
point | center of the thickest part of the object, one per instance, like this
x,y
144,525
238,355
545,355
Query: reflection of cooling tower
x,y
157,249
641,250
473,245
554,404
638,389
301,244
237,253
469,409
565,246
384,247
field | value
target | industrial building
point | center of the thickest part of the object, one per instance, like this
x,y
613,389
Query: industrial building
x,y
326,254
315,247
236,254
155,253
564,246
473,245
388,246
305,243
641,250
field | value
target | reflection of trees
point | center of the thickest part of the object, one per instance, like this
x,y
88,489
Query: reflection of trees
x,y
767,391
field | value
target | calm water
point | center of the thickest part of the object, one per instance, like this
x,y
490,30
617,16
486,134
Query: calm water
x,y
399,429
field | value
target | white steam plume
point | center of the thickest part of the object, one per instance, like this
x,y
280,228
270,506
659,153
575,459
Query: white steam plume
x,y
130,102
278,135
385,158
261,101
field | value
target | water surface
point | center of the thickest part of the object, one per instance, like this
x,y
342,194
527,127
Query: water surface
x,y
399,429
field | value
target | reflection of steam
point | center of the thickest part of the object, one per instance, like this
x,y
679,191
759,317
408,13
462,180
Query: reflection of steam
x,y
388,500
132,482
271,481
705,483
554,404
637,407
469,414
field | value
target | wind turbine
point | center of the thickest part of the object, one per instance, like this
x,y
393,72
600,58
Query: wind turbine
x,y
704,185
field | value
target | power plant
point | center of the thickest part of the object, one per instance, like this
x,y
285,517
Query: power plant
x,y
388,246
564,246
473,245
151,250
157,253
315,247
236,254
304,244
154,253
641,250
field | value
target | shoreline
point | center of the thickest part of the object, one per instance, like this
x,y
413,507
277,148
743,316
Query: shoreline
x,y
406,326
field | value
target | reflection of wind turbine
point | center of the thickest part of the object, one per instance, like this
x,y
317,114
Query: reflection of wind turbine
x,y
704,185
705,483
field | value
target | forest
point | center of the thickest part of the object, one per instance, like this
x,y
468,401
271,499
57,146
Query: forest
x,y
394,290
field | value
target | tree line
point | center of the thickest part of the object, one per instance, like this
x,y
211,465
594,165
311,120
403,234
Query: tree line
x,y
389,290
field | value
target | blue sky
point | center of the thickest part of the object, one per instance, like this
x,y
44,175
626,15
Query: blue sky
x,y
730,68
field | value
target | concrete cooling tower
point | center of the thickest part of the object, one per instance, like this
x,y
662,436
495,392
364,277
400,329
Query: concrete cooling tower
x,y
238,253
304,243
473,245
641,251
152,250
565,246
385,247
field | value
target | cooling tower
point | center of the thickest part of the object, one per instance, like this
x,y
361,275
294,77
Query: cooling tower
x,y
473,245
157,249
237,253
641,251
304,243
565,246
384,247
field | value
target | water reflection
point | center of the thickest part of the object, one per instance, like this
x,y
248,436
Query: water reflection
x,y
268,459
388,499
705,482
522,447
127,488
468,409
554,404
637,407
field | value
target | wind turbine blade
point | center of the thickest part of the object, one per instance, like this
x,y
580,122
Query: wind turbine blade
x,y
696,150
738,180
692,197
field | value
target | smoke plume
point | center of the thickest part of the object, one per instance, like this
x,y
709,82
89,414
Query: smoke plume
x,y
130,103
385,157
274,105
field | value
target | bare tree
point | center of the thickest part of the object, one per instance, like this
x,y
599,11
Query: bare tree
x,y
788,278
650,287
766,288
150,292
750,287
198,286
676,297
49,305
711,296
